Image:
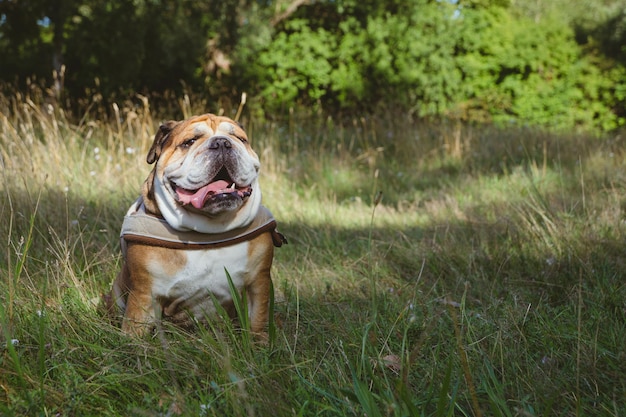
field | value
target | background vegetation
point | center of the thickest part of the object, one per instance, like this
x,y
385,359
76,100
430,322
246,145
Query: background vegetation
x,y
558,64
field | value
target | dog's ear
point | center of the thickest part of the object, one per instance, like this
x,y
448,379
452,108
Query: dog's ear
x,y
160,139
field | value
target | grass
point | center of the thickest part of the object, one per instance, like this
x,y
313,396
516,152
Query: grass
x,y
489,280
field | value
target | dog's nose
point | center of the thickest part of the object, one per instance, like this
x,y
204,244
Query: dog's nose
x,y
220,142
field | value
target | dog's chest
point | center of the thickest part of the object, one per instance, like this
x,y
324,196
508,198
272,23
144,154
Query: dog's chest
x,y
198,279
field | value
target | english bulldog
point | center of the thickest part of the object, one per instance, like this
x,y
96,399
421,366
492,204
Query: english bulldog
x,y
198,221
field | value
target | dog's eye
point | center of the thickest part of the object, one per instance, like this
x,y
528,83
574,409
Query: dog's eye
x,y
242,139
187,144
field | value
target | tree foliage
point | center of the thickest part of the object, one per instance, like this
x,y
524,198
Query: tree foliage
x,y
551,64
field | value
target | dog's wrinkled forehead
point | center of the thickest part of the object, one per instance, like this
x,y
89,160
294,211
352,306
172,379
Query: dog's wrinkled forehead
x,y
211,126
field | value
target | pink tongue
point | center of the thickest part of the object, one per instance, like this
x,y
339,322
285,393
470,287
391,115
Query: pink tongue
x,y
198,197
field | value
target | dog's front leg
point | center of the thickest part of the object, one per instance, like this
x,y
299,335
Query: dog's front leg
x,y
140,313
259,283
258,303
136,282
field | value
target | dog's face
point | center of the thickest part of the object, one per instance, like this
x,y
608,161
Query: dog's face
x,y
206,174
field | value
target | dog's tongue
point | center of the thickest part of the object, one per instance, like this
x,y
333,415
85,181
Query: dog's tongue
x,y
198,197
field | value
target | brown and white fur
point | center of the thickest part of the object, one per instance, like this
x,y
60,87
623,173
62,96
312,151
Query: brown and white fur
x,y
205,179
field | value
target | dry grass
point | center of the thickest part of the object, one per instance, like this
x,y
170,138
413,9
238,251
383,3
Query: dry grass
x,y
488,281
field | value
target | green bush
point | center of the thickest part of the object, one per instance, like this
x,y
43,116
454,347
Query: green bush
x,y
479,63
298,64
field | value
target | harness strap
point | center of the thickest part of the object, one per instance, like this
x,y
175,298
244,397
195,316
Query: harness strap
x,y
140,227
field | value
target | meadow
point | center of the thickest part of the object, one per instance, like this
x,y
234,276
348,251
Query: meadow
x,y
433,269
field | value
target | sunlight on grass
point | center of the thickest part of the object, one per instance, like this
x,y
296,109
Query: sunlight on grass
x,y
488,280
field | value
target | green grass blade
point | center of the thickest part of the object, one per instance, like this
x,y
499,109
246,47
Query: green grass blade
x,y
241,307
365,398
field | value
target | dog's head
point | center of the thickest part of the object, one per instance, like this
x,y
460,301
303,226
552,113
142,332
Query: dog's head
x,y
206,175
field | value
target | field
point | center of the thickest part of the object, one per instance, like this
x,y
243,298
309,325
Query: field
x,y
432,269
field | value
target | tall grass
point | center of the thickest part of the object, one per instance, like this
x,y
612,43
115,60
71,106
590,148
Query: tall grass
x,y
488,280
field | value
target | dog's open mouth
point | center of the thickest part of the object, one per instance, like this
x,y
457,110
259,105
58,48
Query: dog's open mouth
x,y
222,186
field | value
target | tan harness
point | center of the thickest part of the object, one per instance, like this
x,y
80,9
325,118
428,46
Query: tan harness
x,y
147,229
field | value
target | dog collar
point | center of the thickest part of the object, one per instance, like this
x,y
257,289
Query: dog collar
x,y
147,229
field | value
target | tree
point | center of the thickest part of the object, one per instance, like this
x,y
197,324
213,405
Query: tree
x,y
556,64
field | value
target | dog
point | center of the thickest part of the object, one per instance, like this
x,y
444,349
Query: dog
x,y
197,229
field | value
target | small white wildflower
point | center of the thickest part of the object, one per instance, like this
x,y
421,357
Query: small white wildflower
x,y
550,261
92,173
204,409
39,313
18,249
96,150
97,157
15,342
130,150
66,189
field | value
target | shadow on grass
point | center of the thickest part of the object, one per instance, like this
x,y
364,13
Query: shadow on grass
x,y
535,317
351,297
538,284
